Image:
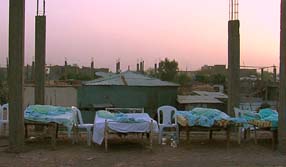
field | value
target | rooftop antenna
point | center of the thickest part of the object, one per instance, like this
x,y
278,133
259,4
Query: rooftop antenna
x,y
233,9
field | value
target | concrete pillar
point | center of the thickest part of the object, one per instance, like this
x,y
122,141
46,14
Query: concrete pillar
x,y
40,59
282,86
92,71
262,74
66,70
155,68
275,74
138,68
33,71
7,62
27,72
16,74
141,66
233,65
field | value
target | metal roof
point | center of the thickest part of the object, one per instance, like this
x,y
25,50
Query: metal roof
x,y
128,78
197,100
217,95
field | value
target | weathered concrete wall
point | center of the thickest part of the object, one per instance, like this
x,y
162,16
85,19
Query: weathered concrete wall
x,y
233,65
59,96
40,59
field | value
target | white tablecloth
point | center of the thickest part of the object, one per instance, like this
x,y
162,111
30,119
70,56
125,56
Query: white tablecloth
x,y
99,126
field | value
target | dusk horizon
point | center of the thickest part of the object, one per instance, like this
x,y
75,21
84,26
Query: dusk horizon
x,y
194,33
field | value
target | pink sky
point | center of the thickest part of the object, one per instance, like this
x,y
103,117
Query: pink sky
x,y
194,32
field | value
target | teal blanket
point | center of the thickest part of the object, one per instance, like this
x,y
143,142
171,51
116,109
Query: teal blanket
x,y
268,114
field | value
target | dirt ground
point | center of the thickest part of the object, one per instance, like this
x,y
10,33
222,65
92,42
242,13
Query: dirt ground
x,y
131,152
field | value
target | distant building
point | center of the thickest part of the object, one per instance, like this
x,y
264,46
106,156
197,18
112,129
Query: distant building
x,y
216,69
203,99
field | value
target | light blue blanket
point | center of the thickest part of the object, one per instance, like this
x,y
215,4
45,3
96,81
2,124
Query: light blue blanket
x,y
118,117
46,114
204,117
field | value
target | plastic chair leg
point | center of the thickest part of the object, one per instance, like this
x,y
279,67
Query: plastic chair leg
x,y
88,137
239,135
160,137
177,135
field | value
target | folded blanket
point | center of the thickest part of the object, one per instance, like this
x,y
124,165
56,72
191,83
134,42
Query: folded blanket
x,y
205,117
39,110
118,117
270,115
105,114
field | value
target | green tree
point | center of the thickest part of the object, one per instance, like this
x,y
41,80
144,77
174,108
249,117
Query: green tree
x,y
3,92
218,79
168,70
202,78
183,79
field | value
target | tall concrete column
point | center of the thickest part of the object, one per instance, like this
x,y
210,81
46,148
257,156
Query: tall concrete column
x,y
40,59
16,74
282,91
233,65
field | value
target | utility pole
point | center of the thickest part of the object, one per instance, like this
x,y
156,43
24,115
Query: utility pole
x,y
233,57
16,74
282,86
40,54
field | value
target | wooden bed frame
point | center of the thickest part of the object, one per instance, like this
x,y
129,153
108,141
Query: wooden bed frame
x,y
53,130
223,125
108,131
52,127
265,126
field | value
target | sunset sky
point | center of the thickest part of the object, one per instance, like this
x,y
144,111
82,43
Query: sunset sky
x,y
194,32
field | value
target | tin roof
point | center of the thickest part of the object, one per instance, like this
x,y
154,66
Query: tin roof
x,y
129,78
197,99
217,95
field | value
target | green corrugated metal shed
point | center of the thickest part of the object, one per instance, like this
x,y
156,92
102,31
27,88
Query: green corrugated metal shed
x,y
128,89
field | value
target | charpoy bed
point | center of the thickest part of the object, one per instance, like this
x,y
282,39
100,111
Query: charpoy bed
x,y
205,119
51,117
106,123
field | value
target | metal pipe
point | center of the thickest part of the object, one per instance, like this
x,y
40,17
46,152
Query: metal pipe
x,y
44,8
37,7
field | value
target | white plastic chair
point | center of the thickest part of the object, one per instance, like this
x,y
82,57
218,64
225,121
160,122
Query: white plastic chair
x,y
82,125
167,112
3,119
238,114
